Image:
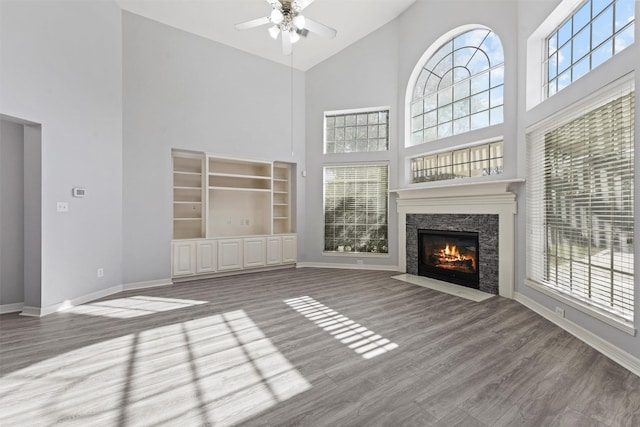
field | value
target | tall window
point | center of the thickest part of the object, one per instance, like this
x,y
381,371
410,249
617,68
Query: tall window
x,y
356,208
580,205
460,88
594,33
357,131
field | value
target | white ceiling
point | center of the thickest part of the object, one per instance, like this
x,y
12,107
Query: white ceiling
x,y
215,20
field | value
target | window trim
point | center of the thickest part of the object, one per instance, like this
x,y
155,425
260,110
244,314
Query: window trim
x,y
567,18
355,111
415,74
593,101
386,163
535,53
451,150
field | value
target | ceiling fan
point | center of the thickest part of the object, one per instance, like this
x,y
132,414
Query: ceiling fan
x,y
289,23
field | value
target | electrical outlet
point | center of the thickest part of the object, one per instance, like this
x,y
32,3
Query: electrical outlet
x,y
101,272
359,262
559,312
62,207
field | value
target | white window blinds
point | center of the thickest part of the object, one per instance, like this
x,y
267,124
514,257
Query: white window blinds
x,y
355,208
580,203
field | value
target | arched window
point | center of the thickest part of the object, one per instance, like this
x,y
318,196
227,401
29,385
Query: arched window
x,y
459,88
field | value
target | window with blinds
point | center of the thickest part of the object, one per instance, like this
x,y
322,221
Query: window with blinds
x,y
580,204
356,208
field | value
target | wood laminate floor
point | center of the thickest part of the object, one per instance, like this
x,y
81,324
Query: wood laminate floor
x,y
305,347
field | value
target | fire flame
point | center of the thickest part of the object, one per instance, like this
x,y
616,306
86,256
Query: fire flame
x,y
451,254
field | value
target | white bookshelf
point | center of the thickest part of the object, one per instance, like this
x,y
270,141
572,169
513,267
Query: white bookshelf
x,y
231,214
282,198
188,220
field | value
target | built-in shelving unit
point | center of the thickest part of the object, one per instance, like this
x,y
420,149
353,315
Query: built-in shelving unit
x,y
231,214
282,200
188,221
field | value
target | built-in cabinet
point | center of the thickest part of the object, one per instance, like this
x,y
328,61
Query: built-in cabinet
x,y
231,214
209,256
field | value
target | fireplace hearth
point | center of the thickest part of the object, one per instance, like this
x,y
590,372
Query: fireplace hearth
x,y
451,256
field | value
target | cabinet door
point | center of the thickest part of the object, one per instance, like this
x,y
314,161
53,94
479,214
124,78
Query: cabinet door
x,y
254,252
206,256
184,258
274,250
229,254
289,249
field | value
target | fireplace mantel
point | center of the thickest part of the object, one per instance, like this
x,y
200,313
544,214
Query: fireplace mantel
x,y
490,197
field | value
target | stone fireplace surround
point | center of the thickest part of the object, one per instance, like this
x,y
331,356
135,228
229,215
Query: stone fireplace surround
x,y
465,200
485,225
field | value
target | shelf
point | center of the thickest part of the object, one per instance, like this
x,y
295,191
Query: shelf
x,y
280,192
281,204
280,217
187,219
259,190
233,175
235,167
182,202
280,180
186,188
187,173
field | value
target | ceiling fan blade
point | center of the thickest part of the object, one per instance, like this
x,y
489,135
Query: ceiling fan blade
x,y
253,23
303,3
319,29
286,43
272,2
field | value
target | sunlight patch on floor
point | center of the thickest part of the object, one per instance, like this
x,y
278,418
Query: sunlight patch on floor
x,y
364,342
129,307
217,370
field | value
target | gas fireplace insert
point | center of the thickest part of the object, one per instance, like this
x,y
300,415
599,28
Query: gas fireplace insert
x,y
451,256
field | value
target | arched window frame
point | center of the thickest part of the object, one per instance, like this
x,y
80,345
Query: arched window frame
x,y
410,139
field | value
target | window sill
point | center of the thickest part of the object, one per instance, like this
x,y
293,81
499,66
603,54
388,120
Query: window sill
x,y
592,311
355,254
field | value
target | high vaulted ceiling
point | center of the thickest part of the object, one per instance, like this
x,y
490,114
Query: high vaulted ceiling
x,y
215,20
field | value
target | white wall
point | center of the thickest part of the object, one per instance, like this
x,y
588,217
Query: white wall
x,y
183,91
61,66
364,75
376,70
11,212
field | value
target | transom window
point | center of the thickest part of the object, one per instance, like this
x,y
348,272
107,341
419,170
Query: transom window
x,y
479,160
460,87
356,131
594,33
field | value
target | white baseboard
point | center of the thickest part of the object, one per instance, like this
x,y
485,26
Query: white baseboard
x,y
30,311
146,284
39,312
614,353
348,266
11,308
80,300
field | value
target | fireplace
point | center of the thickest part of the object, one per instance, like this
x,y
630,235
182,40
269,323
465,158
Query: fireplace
x,y
452,256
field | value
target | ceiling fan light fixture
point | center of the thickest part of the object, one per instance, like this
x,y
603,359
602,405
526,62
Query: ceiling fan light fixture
x,y
276,16
294,36
299,22
274,31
